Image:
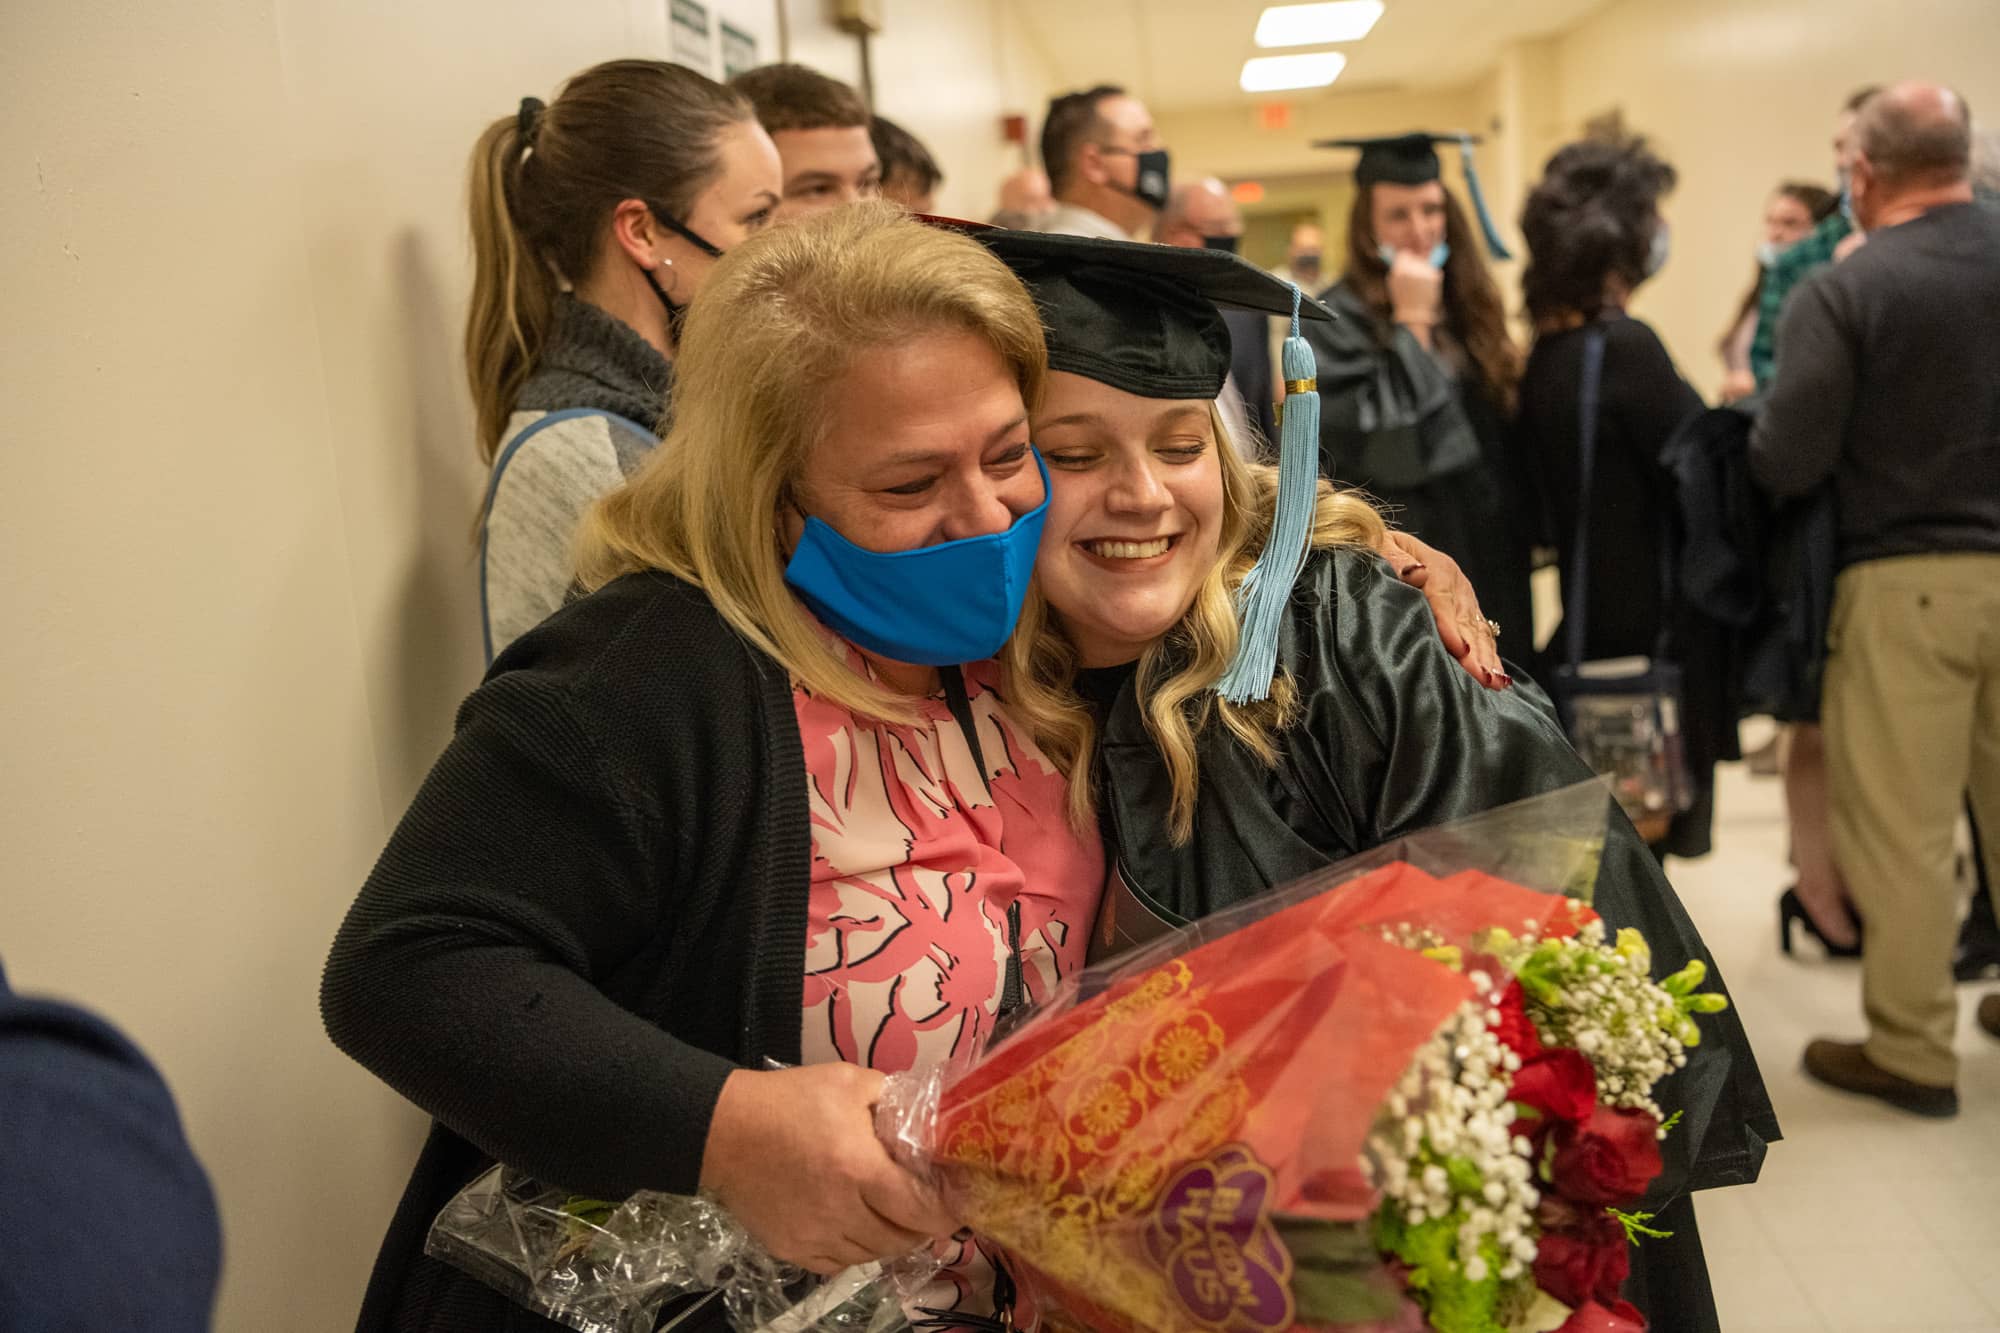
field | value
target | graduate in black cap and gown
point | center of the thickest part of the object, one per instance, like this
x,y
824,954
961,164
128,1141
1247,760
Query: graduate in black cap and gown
x,y
1417,377
1238,686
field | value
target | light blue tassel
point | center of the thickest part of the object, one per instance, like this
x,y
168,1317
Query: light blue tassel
x,y
1267,588
1493,241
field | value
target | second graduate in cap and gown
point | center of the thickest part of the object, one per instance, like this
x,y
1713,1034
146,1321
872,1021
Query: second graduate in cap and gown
x,y
1417,376
1242,691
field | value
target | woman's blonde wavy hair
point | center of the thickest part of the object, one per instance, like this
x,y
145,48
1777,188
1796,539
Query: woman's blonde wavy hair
x,y
1177,674
779,321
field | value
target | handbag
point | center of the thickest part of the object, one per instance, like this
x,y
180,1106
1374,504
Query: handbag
x,y
1623,714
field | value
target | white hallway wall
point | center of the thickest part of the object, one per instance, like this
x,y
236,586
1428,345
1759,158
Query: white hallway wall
x,y
234,493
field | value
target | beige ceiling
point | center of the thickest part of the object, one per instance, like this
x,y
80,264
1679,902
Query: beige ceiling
x,y
1176,54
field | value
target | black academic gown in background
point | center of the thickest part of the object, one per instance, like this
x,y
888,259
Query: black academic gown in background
x,y
1434,449
1394,738
1250,372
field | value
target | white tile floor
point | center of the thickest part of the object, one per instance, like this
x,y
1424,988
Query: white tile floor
x,y
1866,1218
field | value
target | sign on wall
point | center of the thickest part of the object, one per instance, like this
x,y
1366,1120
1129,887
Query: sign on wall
x,y
739,52
691,42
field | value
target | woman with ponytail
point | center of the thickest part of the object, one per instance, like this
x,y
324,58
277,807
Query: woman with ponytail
x,y
595,219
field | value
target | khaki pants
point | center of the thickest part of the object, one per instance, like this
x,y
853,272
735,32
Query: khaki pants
x,y
1912,718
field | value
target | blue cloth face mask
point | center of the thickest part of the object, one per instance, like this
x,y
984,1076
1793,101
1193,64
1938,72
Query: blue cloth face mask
x,y
933,606
1440,253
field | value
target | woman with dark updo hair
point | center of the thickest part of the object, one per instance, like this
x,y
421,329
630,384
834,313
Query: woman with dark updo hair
x,y
1594,234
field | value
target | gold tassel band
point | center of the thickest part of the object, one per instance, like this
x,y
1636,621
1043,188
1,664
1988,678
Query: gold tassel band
x,y
1302,386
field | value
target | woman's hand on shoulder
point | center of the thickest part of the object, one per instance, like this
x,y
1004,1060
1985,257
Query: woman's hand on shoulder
x,y
794,1155
1467,634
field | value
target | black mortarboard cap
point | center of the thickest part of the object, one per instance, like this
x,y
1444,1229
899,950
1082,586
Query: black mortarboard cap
x,y
1400,159
1144,319
1411,159
1139,317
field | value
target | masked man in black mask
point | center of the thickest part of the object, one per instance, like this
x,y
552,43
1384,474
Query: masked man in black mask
x,y
1304,257
1105,163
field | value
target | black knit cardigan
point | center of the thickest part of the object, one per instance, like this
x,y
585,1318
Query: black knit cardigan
x,y
593,911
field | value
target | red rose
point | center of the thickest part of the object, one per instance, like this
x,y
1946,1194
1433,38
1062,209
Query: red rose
x,y
1609,1159
1559,1085
1515,1029
1618,1317
1584,1263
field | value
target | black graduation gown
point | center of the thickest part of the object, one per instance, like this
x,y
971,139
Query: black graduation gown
x,y
1431,446
1393,738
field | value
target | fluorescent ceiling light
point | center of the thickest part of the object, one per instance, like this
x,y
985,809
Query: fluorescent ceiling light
x,y
1310,25
1270,74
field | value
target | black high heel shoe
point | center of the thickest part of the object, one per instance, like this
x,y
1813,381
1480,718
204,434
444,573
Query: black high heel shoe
x,y
1791,910
1977,957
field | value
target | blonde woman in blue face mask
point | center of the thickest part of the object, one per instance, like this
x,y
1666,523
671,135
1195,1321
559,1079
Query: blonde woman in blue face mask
x,y
723,842
1417,377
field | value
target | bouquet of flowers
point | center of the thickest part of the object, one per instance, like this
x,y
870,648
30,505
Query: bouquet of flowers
x,y
1388,1098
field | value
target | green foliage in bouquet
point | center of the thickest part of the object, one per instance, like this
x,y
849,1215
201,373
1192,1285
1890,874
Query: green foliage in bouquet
x,y
1599,997
587,1219
1453,1302
595,1212
1636,1228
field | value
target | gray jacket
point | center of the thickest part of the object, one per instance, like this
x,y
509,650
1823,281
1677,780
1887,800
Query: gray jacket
x,y
592,411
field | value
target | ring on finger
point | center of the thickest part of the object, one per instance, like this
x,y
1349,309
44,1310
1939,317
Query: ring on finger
x,y
1494,627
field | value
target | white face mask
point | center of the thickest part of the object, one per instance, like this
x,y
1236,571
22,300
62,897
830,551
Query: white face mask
x,y
1656,257
1768,252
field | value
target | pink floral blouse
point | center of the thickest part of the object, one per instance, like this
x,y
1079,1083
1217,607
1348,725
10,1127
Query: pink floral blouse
x,y
916,857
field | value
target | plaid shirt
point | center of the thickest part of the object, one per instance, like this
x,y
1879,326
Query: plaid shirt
x,y
1812,250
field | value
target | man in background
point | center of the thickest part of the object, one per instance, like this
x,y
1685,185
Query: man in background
x,y
1025,200
910,175
820,126
1305,258
1202,215
1886,386
1105,164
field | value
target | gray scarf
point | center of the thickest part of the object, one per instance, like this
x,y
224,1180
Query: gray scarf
x,y
595,360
